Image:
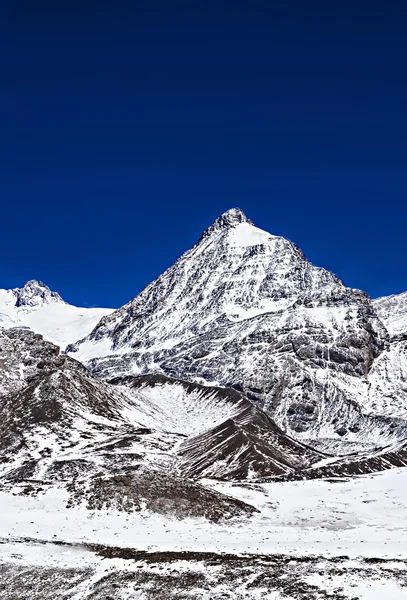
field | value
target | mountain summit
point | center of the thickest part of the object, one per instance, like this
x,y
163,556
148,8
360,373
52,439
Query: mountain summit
x,y
231,218
235,272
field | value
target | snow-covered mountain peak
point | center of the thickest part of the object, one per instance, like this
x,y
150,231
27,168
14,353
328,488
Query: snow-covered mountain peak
x,y
246,309
35,293
228,220
235,273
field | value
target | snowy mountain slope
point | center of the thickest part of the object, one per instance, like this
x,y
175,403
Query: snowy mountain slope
x,y
61,429
245,309
382,460
388,377
226,436
387,392
248,445
174,405
52,410
37,307
392,310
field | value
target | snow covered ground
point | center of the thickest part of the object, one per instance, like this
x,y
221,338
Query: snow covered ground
x,y
58,323
351,532
82,574
364,516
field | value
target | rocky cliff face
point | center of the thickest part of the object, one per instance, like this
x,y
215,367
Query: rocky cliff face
x,y
245,309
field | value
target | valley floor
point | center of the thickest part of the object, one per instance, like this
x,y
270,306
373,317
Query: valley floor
x,y
343,539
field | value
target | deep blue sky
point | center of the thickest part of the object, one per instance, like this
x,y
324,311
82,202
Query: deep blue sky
x,y
127,128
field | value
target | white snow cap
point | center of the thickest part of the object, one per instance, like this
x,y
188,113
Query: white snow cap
x,y
35,293
239,229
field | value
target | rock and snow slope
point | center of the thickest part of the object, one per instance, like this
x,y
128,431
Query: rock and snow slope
x,y
392,310
35,306
388,378
246,309
58,422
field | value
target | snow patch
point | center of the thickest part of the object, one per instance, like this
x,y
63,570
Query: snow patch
x,y
246,235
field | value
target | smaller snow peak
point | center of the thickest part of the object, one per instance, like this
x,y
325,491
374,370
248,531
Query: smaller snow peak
x,y
35,293
228,220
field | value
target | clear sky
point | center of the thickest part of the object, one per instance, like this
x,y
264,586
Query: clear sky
x,y
128,127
